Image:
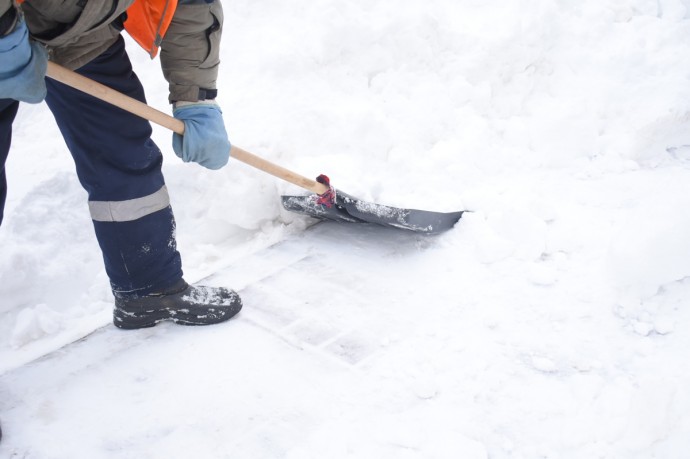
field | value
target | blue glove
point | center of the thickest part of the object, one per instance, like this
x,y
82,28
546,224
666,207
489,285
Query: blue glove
x,y
205,140
23,66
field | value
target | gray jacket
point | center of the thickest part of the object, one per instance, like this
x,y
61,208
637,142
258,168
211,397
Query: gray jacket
x,y
77,31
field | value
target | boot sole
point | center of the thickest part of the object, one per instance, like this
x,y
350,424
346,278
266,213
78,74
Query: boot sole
x,y
188,316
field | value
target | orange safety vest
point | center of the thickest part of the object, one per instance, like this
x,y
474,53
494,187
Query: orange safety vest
x,y
147,21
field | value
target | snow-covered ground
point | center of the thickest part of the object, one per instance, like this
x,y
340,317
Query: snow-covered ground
x,y
552,321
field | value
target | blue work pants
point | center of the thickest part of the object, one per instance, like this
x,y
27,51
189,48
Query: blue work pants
x,y
120,167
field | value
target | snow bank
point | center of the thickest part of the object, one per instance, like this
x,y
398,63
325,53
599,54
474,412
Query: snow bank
x,y
563,126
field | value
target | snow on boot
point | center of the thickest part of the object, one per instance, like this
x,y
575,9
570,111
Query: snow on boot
x,y
184,304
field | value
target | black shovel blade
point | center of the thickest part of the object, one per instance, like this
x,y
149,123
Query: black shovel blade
x,y
352,210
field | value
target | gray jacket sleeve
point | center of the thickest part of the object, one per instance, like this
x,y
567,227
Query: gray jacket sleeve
x,y
190,50
4,6
8,18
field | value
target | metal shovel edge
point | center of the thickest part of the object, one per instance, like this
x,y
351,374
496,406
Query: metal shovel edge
x,y
348,209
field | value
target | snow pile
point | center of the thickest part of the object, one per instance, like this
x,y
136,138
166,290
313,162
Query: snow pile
x,y
563,126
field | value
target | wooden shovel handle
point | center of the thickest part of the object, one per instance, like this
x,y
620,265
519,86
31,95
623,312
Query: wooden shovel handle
x,y
104,93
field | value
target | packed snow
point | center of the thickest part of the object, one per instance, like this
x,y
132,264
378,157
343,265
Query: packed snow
x,y
551,321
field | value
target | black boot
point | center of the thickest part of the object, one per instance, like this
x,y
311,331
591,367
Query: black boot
x,y
182,303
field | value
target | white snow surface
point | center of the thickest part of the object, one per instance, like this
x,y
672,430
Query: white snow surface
x,y
553,321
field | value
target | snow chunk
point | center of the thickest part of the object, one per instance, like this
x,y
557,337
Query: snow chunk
x,y
34,323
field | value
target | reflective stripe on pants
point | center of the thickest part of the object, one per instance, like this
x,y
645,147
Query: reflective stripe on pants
x,y
131,209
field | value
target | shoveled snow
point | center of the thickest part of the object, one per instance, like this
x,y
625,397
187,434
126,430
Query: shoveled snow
x,y
552,321
206,295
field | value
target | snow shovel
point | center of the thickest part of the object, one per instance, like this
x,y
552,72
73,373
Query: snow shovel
x,y
327,203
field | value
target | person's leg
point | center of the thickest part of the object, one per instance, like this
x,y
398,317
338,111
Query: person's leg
x,y
120,167
8,110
